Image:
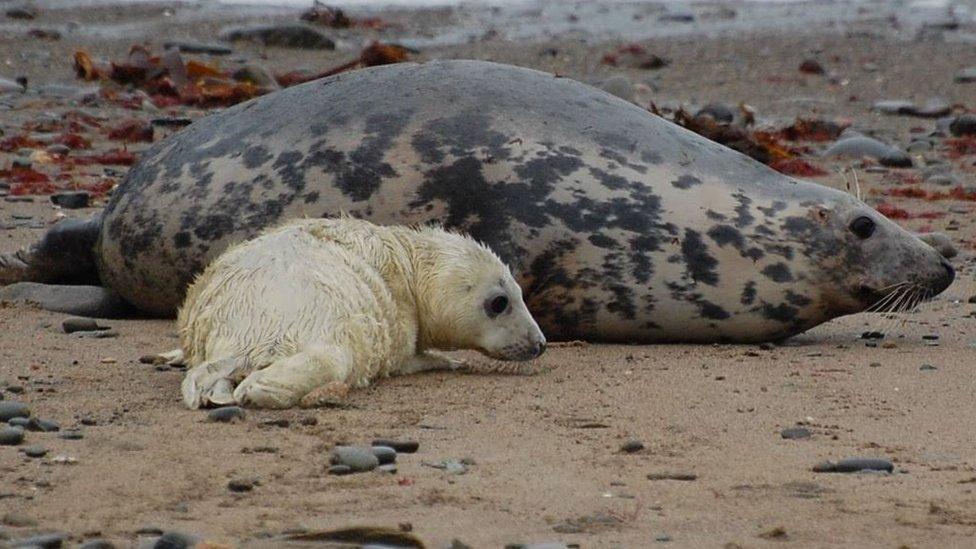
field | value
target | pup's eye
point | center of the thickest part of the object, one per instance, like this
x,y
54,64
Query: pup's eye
x,y
496,306
863,227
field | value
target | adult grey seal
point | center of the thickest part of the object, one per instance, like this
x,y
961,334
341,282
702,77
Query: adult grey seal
x,y
619,225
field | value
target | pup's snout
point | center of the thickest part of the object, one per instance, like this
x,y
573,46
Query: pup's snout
x,y
538,348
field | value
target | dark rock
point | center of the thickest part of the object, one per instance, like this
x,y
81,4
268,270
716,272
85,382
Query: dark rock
x,y
795,433
257,75
97,544
199,47
176,540
227,414
340,470
390,468
872,335
963,125
927,368
859,146
11,436
149,530
71,435
632,446
21,12
10,409
967,75
718,112
854,465
171,121
285,36
672,476
384,454
72,200
17,520
358,459
812,66
401,446
240,485
92,301
10,86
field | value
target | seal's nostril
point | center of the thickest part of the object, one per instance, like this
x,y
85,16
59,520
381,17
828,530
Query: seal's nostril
x,y
950,271
540,348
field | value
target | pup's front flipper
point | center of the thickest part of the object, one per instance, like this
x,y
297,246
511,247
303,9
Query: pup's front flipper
x,y
428,361
288,379
211,383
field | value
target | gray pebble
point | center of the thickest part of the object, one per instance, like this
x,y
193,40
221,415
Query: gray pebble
x,y
340,470
7,85
893,106
46,541
72,200
358,459
149,530
662,538
927,368
257,75
859,146
963,125
401,446
226,414
74,324
795,433
283,35
71,435
10,409
632,446
384,454
11,436
390,468
35,451
176,540
718,112
966,75
198,47
854,465
97,544
59,149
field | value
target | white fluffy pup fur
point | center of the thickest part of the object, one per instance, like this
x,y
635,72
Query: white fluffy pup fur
x,y
317,301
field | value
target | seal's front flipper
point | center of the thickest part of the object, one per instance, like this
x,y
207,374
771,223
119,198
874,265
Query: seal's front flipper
x,y
64,255
90,301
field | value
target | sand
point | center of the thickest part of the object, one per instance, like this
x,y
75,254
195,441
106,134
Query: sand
x,y
546,447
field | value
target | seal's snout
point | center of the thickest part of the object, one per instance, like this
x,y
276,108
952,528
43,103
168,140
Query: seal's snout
x,y
537,349
948,276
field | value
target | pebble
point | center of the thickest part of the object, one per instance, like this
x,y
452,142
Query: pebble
x,y
795,433
45,541
401,446
226,414
632,446
92,301
384,454
718,112
11,436
59,149
872,335
893,106
17,520
72,200
35,451
662,538
74,324
963,125
171,121
854,465
71,435
176,540
257,75
966,75
10,86
97,334
340,470
149,530
672,476
812,66
199,47
285,36
859,146
390,468
927,368
10,409
240,485
356,458
21,12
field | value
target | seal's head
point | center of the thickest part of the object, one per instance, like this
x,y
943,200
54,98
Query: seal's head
x,y
871,263
471,301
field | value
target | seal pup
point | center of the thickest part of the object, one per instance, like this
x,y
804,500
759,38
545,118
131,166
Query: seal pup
x,y
619,225
321,301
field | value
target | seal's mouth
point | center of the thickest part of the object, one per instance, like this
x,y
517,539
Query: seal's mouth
x,y
904,296
518,353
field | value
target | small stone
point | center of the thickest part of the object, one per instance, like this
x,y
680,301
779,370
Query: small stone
x,y
812,66
875,365
15,389
176,540
149,530
931,336
21,12
632,446
927,368
43,541
281,422
17,520
257,75
854,465
74,324
963,125
384,454
358,459
966,75
226,414
662,538
718,112
7,85
455,467
795,433
171,121
22,422
859,146
97,544
872,335
401,446
672,476
35,451
10,409
72,200
11,436
340,470
71,435
284,35
390,468
240,485
893,106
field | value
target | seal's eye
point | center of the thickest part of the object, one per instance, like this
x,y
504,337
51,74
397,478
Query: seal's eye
x,y
496,306
863,227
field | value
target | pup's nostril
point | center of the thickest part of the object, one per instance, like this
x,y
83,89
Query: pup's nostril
x,y
540,348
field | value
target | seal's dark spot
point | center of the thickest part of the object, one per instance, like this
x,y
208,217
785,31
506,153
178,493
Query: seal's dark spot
x,y
712,311
743,216
602,241
715,216
698,262
797,300
778,272
609,180
650,157
780,313
748,293
181,239
727,234
686,182
256,156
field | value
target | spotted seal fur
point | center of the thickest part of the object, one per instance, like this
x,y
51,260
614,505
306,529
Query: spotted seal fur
x,y
619,225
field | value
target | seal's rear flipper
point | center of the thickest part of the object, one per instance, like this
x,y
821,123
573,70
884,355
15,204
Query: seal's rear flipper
x,y
90,301
64,255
